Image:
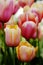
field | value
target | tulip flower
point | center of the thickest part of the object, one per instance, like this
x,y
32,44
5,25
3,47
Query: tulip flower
x,y
12,20
6,10
26,8
28,30
16,6
12,35
40,3
22,3
25,51
38,9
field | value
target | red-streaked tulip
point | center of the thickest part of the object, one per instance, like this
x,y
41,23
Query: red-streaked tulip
x,y
38,9
21,20
16,6
25,51
28,29
6,10
25,2
32,16
12,35
40,3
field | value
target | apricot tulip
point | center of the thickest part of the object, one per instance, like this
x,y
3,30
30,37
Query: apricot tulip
x,y
25,51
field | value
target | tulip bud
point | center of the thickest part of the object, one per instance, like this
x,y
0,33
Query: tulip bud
x,y
25,51
12,35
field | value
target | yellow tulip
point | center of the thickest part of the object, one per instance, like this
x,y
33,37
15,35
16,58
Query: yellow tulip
x,y
25,51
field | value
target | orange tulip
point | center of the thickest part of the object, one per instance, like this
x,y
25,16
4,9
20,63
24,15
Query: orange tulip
x,y
25,51
12,35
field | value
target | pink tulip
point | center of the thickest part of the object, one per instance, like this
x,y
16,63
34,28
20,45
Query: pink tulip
x,y
6,10
12,35
16,6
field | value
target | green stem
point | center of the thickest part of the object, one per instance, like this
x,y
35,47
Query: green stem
x,y
38,40
25,63
13,55
22,63
38,45
38,48
4,42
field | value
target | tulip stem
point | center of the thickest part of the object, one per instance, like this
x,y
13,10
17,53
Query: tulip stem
x,y
22,63
4,41
38,39
13,55
38,49
38,45
25,63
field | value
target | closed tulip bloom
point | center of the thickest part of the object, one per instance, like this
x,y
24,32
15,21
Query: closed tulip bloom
x,y
38,9
6,10
12,35
25,51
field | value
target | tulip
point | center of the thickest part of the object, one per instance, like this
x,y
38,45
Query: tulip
x,y
40,3
6,10
22,3
12,35
21,20
28,29
15,6
25,51
38,9
11,21
26,8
